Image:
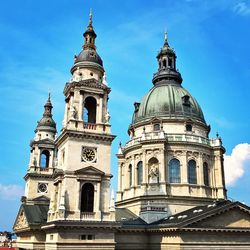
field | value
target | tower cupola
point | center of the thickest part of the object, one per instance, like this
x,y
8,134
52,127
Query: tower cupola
x,y
47,124
88,59
167,65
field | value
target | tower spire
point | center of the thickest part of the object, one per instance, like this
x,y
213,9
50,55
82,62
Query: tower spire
x,y
90,16
89,34
90,20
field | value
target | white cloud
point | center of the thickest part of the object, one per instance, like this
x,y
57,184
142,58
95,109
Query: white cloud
x,y
242,8
11,192
237,163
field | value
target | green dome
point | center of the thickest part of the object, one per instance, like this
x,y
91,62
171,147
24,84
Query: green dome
x,y
169,101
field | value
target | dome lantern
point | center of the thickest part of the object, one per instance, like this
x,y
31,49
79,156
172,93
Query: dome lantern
x,y
166,65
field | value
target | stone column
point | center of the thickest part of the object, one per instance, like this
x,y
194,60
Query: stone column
x,y
51,158
65,119
184,170
78,201
135,172
97,109
133,176
80,107
144,168
101,110
97,197
119,184
58,198
162,167
200,179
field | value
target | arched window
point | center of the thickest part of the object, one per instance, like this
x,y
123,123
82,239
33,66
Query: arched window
x,y
192,178
87,198
89,110
170,62
139,173
44,159
156,127
164,63
174,171
130,174
206,174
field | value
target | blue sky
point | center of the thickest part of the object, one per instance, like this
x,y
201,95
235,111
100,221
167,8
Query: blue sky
x,y
38,43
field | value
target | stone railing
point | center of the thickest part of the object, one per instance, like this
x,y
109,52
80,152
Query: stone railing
x,y
90,127
88,216
173,138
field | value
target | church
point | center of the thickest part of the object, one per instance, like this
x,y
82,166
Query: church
x,y
171,190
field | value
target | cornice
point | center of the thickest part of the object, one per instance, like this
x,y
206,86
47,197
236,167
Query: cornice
x,y
150,120
67,224
163,196
38,175
84,135
89,83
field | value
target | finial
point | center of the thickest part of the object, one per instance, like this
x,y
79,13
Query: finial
x,y
120,149
48,102
165,38
90,17
217,135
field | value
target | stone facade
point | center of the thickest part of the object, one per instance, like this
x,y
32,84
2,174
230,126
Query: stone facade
x,y
171,191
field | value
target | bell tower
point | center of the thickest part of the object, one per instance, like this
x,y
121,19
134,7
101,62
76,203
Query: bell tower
x,y
67,203
82,180
39,183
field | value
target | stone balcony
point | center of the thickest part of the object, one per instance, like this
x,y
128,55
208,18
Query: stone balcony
x,y
173,138
40,170
79,125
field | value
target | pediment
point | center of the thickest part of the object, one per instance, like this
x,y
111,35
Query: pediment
x,y
21,220
236,216
155,120
89,171
42,198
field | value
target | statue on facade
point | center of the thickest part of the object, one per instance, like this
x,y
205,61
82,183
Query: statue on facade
x,y
153,173
73,112
104,79
34,162
107,117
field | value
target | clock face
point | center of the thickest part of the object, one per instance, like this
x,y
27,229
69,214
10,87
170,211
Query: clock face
x,y
88,154
42,187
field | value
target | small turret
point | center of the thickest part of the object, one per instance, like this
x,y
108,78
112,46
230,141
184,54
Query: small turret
x,y
46,126
42,159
